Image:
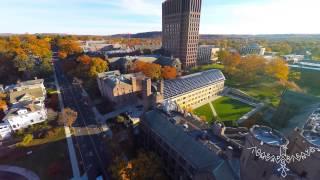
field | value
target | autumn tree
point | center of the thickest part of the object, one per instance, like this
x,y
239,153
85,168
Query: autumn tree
x,y
231,61
97,65
151,70
168,72
3,105
84,59
250,67
222,55
146,166
68,47
67,117
278,69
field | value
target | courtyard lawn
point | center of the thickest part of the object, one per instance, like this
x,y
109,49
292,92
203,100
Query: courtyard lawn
x,y
229,109
208,67
204,112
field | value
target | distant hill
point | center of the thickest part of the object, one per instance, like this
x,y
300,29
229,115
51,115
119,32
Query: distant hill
x,y
153,34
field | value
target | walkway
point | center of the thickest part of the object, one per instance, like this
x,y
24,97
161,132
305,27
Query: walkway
x,y
12,170
215,114
72,153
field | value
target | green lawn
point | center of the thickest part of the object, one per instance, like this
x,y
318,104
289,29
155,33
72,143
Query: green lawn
x,y
204,112
207,67
229,109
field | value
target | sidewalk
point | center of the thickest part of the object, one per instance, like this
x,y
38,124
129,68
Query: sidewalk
x,y
72,153
19,171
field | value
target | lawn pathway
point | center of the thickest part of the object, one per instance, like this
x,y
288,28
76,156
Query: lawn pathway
x,y
215,114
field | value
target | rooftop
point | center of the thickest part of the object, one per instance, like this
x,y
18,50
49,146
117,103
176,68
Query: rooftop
x,y
268,136
191,82
193,151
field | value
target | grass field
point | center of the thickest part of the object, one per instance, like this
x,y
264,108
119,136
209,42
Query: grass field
x,y
204,111
229,109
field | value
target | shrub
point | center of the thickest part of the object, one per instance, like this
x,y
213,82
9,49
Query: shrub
x,y
27,139
120,119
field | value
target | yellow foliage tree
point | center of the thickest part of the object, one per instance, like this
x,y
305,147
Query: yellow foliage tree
x,y
278,69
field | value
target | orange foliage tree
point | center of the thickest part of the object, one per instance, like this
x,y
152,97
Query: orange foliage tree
x,y
168,72
146,166
231,61
151,70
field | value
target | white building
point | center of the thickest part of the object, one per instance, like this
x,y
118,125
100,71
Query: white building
x,y
293,58
27,106
207,54
24,116
253,49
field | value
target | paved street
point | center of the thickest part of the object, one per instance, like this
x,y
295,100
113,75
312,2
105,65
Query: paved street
x,y
91,151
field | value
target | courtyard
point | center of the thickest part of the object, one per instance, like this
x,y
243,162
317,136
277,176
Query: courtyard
x,y
226,108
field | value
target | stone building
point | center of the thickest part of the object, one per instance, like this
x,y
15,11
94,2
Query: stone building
x,y
126,64
189,91
180,30
121,88
207,54
187,151
186,91
302,147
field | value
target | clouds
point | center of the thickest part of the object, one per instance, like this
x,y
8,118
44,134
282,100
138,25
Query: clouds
x,y
269,17
124,16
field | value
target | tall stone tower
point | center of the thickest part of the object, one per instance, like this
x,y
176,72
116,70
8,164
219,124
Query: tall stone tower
x,y
180,30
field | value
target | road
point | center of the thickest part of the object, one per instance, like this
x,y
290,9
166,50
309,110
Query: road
x,y
91,150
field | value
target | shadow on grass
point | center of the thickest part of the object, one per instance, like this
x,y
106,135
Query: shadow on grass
x,y
50,161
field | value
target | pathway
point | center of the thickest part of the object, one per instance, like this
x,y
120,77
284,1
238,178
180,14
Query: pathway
x,y
72,153
215,114
19,171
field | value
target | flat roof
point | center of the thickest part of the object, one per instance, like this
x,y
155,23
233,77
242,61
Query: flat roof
x,y
268,135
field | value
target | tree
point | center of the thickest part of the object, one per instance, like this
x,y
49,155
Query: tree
x,y
3,105
278,69
250,67
120,119
27,139
168,72
222,54
152,71
67,117
231,61
68,47
84,59
146,166
97,66
62,55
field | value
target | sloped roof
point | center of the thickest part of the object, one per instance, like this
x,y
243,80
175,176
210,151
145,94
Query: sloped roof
x,y
191,82
14,96
187,147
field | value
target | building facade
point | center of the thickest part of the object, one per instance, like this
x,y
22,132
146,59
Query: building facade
x,y
207,54
192,90
180,30
252,49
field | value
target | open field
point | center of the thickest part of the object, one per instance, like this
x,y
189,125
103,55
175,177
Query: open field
x,y
49,158
229,109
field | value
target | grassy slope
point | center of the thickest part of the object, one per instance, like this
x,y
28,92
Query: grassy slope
x,y
229,109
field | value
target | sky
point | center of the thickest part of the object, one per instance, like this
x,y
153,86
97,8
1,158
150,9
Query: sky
x,y
106,17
